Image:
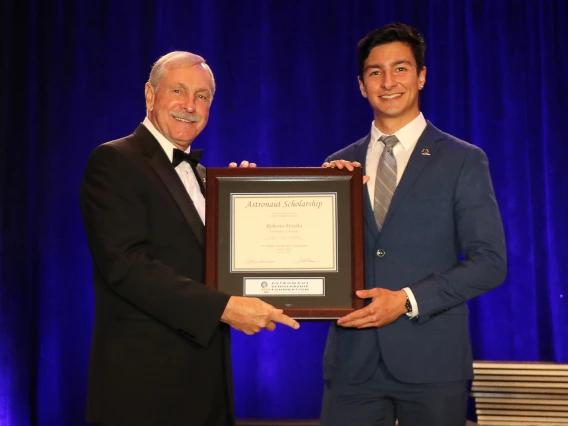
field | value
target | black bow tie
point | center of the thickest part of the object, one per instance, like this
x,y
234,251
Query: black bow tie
x,y
192,158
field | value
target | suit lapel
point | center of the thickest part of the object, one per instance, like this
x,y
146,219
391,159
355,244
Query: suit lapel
x,y
424,152
158,160
200,173
361,157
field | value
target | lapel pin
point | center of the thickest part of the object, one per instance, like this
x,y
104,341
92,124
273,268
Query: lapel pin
x,y
425,151
203,180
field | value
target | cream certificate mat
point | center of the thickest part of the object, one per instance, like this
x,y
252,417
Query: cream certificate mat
x,y
284,232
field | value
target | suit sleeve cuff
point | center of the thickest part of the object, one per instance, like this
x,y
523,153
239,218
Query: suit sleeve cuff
x,y
410,295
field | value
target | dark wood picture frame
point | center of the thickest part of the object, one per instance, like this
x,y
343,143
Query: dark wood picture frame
x,y
221,182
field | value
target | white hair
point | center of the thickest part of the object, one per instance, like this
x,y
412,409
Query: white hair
x,y
174,60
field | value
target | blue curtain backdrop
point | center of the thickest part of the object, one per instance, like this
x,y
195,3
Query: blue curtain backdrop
x,y
72,75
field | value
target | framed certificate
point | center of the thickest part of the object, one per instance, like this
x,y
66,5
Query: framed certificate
x,y
290,236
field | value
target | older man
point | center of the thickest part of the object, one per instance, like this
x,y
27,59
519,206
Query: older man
x,y
160,351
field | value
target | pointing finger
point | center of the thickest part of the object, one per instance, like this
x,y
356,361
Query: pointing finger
x,y
286,320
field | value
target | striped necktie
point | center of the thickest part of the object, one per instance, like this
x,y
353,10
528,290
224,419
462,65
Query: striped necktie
x,y
385,181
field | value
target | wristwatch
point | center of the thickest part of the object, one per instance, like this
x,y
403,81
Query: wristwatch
x,y
408,305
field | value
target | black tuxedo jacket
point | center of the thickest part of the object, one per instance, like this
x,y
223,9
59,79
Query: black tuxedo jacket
x,y
160,355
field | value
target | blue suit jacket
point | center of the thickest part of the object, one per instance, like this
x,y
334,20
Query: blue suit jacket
x,y
444,205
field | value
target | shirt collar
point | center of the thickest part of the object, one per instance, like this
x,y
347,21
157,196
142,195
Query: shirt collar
x,y
166,145
407,136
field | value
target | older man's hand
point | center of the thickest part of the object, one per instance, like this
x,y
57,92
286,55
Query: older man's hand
x,y
244,163
250,315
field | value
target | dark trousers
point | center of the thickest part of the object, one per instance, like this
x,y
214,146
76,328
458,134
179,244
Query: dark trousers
x,y
382,399
219,415
217,420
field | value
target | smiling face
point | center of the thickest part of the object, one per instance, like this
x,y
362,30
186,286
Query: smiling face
x,y
179,107
390,81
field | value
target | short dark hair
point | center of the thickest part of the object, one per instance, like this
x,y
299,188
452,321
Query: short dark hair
x,y
389,34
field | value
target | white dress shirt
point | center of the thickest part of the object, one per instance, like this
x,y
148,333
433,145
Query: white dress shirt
x,y
407,136
183,170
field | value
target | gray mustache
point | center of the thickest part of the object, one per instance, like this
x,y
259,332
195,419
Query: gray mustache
x,y
194,118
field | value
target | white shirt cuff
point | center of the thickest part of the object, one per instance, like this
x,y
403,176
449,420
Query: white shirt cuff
x,y
410,294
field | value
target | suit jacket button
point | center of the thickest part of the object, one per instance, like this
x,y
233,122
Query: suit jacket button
x,y
381,252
